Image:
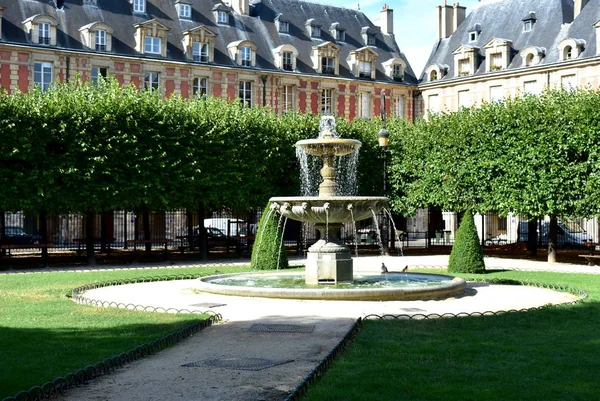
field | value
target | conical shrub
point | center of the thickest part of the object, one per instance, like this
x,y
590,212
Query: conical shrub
x,y
466,256
268,252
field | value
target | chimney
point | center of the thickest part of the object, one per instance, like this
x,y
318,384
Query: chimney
x,y
445,17
241,6
459,16
579,4
386,22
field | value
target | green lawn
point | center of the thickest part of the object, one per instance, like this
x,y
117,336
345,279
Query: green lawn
x,y
547,354
44,335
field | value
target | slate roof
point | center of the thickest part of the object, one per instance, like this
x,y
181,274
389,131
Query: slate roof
x,y
504,19
258,27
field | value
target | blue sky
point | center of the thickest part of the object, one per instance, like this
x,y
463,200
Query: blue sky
x,y
414,23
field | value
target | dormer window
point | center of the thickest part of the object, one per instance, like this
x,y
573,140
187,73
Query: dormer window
x,y
338,32
44,34
314,29
139,6
97,36
395,68
42,29
532,55
362,62
243,52
101,40
246,56
184,10
198,44
284,27
434,72
368,35
570,48
285,57
201,52
497,54
325,58
151,38
221,13
529,21
474,32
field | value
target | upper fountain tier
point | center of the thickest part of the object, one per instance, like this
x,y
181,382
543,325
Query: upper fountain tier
x,y
328,144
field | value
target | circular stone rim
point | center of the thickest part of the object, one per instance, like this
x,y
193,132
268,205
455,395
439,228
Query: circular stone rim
x,y
443,290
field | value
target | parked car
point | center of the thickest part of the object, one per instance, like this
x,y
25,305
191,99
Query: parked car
x,y
16,235
567,236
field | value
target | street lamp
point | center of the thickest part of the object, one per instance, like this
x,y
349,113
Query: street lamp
x,y
383,137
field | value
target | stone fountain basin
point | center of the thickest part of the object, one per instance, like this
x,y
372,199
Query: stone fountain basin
x,y
451,287
332,210
328,146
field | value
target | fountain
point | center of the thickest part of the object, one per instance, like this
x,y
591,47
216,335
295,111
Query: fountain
x,y
329,260
329,266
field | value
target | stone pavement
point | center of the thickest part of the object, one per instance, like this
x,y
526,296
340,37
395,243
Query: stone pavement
x,y
324,323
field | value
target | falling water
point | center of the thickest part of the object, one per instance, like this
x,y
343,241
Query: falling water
x,y
281,218
378,231
346,167
355,232
281,243
389,214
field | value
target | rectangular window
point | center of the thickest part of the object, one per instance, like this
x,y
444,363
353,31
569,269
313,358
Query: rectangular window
x,y
327,65
284,26
222,17
152,45
287,100
340,35
433,105
527,25
42,75
463,67
246,54
200,52
139,6
568,82
185,11
397,73
365,105
98,72
464,99
287,59
101,40
496,62
371,40
245,93
531,87
44,37
473,36
364,69
399,106
200,87
316,32
496,93
327,101
151,81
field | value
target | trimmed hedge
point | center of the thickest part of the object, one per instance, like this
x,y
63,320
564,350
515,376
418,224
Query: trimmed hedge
x,y
466,256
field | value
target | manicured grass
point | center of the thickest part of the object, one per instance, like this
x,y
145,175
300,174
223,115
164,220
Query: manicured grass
x,y
548,354
44,335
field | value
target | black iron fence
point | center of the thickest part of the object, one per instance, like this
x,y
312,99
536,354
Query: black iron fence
x,y
234,233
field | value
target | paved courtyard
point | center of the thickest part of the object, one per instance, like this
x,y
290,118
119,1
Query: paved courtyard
x,y
317,326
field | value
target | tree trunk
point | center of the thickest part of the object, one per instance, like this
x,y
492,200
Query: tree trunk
x,y
552,238
203,243
147,233
90,238
532,226
44,234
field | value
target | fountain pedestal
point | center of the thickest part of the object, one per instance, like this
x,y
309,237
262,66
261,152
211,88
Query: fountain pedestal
x,y
329,260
